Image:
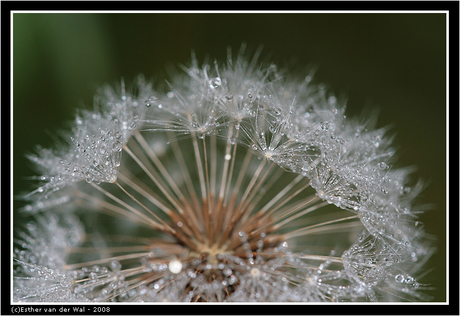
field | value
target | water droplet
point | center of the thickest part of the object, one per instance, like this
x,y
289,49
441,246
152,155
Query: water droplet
x,y
93,276
321,194
31,225
115,265
227,272
229,96
332,101
65,282
255,272
150,101
215,83
409,280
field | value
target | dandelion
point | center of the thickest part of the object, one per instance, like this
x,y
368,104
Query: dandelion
x,y
235,184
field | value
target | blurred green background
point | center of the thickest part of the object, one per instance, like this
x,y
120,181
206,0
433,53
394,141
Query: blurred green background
x,y
393,62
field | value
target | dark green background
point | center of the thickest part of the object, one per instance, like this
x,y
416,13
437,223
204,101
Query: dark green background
x,y
394,62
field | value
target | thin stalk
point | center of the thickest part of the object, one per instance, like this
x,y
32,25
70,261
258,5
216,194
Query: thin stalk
x,y
105,260
309,229
129,207
154,179
151,154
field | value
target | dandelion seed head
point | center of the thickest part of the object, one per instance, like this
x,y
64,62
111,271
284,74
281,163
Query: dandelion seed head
x,y
240,183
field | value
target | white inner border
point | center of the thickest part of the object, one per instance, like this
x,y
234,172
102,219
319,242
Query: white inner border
x,y
230,12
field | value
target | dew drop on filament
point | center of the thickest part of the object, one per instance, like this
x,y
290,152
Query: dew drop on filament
x,y
215,83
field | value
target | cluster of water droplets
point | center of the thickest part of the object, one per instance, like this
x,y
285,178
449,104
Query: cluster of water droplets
x,y
93,149
383,267
126,108
39,274
94,156
101,283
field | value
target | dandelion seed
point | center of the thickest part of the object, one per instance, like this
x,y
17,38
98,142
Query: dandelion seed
x,y
238,184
